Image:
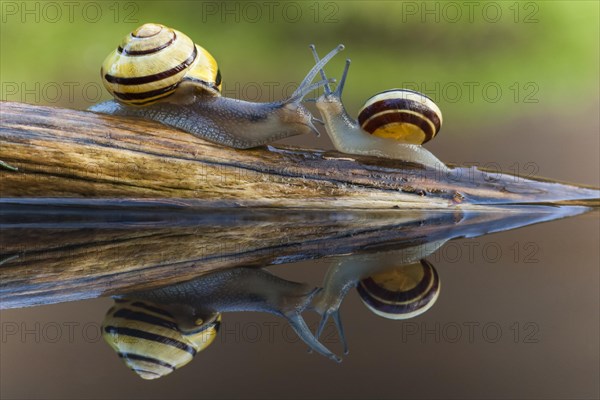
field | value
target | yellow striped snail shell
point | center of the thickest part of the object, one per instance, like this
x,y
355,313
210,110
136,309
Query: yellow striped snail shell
x,y
401,114
159,74
149,339
152,61
401,293
392,124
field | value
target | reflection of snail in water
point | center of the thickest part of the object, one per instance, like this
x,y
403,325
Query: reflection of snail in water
x,y
158,73
405,289
391,124
149,339
161,330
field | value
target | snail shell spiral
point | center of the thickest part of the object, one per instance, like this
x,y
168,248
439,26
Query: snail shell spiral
x,y
149,340
401,114
401,293
152,61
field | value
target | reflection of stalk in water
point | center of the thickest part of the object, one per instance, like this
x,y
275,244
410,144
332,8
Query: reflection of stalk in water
x,y
68,253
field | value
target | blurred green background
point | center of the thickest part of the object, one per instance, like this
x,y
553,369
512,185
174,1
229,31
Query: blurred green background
x,y
521,69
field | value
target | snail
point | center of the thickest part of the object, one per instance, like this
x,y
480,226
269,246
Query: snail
x,y
406,288
391,124
158,73
150,340
149,329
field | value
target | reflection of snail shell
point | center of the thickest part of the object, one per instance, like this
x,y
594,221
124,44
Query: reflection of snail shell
x,y
401,293
149,340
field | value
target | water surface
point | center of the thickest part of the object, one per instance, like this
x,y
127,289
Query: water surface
x,y
517,316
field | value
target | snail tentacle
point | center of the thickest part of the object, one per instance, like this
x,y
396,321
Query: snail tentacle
x,y
337,319
298,96
318,67
303,331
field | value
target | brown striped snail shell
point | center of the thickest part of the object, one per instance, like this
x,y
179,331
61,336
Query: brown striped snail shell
x,y
392,124
152,61
149,339
401,293
401,114
158,73
398,291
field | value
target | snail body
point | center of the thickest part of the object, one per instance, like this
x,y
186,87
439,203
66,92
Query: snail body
x,y
158,73
392,124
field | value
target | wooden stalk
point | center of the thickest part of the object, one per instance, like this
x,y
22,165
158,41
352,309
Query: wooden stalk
x,y
63,153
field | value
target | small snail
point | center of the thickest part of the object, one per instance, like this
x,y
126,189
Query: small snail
x,y
150,340
392,124
158,73
158,331
405,289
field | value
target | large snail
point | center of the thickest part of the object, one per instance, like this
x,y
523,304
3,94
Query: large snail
x,y
404,289
158,73
158,331
391,124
